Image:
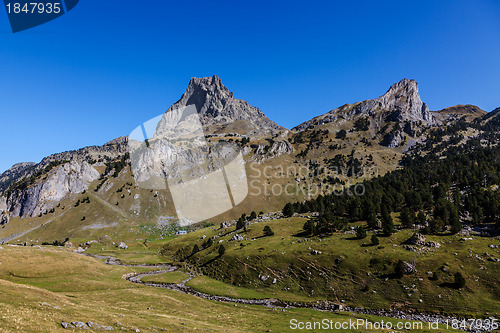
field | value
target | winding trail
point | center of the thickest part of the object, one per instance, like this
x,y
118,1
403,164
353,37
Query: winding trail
x,y
267,302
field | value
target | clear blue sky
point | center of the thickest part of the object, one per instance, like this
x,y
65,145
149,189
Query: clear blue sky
x,y
97,72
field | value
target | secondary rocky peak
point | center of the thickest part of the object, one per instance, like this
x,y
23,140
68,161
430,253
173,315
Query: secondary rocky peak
x,y
219,110
401,103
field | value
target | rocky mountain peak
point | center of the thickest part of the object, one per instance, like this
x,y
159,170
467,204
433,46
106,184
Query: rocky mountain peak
x,y
404,100
219,110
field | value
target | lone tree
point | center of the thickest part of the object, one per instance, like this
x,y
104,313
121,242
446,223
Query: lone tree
x,y
268,231
399,270
196,249
375,240
288,210
360,232
459,280
222,250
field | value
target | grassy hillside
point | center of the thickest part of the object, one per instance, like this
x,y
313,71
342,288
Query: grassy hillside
x,y
42,287
347,269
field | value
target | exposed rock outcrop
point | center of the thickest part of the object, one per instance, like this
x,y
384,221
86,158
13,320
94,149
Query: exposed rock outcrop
x,y
4,219
400,104
17,171
71,177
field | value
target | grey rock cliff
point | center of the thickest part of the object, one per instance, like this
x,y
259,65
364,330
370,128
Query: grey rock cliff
x,y
71,177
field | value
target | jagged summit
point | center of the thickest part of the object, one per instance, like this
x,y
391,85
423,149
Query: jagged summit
x,y
220,111
400,103
403,98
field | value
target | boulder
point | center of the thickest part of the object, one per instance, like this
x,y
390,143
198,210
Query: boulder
x,y
409,268
416,239
66,325
122,246
224,225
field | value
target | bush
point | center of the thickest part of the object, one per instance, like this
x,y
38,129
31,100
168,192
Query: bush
x,y
342,134
196,249
253,215
375,240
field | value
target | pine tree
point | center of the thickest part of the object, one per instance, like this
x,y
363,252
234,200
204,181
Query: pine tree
x,y
406,218
222,250
288,210
196,249
459,280
454,221
309,227
399,270
375,240
387,223
360,232
268,231
253,215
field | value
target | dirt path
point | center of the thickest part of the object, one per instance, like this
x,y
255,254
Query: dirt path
x,y
268,302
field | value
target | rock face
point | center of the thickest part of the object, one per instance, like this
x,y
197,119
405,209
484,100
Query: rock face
x,y
4,219
220,112
400,104
71,177
275,149
3,204
15,172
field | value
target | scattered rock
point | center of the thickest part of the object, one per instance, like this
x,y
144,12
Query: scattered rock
x,y
97,327
237,237
224,225
315,252
79,324
66,325
263,277
122,246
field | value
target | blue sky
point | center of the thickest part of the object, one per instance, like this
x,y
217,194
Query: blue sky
x,y
97,72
